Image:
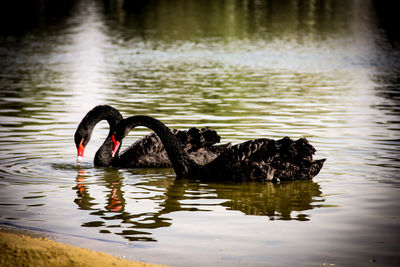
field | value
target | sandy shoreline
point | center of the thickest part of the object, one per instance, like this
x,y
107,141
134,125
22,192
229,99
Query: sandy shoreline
x,y
25,248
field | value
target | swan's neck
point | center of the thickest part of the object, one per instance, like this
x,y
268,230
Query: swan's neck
x,y
180,160
103,155
99,113
112,116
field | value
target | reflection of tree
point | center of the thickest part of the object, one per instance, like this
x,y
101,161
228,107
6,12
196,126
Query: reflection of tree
x,y
229,25
277,201
190,20
23,17
387,16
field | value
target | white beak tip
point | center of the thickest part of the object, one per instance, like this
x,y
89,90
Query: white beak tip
x,y
79,159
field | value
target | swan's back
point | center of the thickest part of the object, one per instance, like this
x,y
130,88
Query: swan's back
x,y
265,160
244,161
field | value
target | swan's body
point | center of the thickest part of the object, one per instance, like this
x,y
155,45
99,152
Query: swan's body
x,y
259,159
147,151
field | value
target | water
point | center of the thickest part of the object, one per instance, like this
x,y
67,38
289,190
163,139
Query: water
x,y
324,70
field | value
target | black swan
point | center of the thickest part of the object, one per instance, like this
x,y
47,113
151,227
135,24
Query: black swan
x,y
259,159
148,151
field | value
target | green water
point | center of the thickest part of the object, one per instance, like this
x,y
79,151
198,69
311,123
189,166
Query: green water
x,y
325,70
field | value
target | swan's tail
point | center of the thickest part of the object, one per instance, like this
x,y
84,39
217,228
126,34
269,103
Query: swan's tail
x,y
317,166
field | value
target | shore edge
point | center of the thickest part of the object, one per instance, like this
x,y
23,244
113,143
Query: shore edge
x,y
25,248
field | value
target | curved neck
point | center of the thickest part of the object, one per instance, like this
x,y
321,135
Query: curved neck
x,y
180,160
92,118
99,113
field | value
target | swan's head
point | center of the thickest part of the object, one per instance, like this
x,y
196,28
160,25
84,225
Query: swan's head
x,y
81,140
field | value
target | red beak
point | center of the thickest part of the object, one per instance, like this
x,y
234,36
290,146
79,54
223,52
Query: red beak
x,y
116,146
81,150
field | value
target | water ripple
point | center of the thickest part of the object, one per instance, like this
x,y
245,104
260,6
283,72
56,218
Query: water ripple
x,y
325,72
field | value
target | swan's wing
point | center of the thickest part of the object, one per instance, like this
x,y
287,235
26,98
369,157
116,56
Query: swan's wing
x,y
204,155
148,144
149,150
297,150
266,159
145,152
195,138
295,160
245,161
256,150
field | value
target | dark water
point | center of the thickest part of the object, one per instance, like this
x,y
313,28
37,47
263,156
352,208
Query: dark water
x,y
325,70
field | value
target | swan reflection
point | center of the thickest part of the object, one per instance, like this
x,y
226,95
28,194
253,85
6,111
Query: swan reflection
x,y
132,205
282,201
83,200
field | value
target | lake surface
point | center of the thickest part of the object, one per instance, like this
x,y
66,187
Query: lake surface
x,y
323,70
